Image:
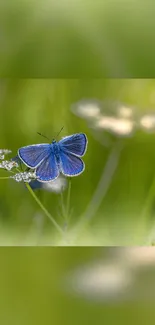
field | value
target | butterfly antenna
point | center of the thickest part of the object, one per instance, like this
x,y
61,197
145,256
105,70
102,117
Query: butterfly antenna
x,y
60,131
42,135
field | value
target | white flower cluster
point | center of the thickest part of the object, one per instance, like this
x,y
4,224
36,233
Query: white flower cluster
x,y
4,152
109,115
8,165
147,122
100,281
27,177
114,277
114,125
114,117
87,109
5,164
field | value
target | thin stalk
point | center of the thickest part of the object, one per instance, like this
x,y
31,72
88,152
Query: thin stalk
x,y
146,209
66,208
102,187
4,177
68,198
148,201
63,206
44,209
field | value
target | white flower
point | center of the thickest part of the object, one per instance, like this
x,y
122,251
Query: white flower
x,y
100,280
27,177
147,122
110,115
115,277
5,151
137,257
115,125
125,111
88,109
8,165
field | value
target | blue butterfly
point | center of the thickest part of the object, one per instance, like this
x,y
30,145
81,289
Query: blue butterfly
x,y
50,160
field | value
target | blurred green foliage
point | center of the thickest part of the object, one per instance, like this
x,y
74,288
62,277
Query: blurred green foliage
x,y
77,38
33,290
126,213
73,39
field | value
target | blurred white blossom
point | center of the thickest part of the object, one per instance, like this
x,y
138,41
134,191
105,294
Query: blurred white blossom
x,y
57,186
136,257
118,109
100,280
118,126
109,115
147,122
87,109
125,112
114,276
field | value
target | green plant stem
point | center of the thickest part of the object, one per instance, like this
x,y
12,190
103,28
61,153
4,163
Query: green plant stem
x,y
102,188
149,200
44,209
68,198
66,208
4,177
63,206
144,220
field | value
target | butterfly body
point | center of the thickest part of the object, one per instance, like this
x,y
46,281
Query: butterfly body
x,y
56,150
49,160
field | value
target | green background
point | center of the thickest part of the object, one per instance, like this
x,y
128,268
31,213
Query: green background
x,y
73,39
33,289
126,213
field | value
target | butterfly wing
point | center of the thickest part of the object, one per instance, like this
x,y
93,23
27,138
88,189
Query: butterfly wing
x,y
48,169
71,165
33,155
35,185
75,144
